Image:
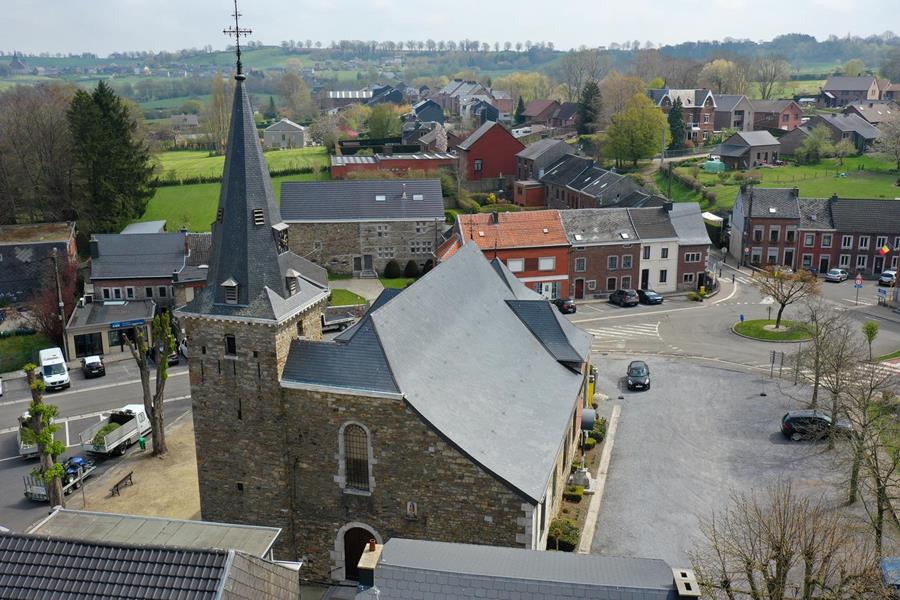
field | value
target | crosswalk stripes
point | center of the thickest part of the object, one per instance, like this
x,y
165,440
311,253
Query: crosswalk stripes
x,y
743,279
615,333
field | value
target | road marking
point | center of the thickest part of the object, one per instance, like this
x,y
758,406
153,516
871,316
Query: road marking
x,y
729,297
637,314
105,386
587,538
620,332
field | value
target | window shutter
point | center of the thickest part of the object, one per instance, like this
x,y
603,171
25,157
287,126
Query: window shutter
x,y
531,264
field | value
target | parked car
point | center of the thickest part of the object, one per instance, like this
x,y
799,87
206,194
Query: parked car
x,y
638,375
836,275
92,366
811,270
565,305
888,278
624,298
53,371
649,297
810,424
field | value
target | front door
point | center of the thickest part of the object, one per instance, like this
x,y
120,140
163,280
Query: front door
x,y
357,263
645,279
579,289
355,541
547,290
367,262
823,264
789,257
879,264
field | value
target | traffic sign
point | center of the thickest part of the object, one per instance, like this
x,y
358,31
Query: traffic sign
x,y
859,280
857,286
882,292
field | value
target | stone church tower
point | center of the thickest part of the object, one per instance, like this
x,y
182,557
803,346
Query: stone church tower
x,y
258,298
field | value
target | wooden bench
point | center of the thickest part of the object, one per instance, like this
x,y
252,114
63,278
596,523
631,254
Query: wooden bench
x,y
127,480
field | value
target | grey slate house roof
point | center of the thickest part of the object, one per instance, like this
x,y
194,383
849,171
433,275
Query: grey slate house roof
x,y
652,223
361,200
588,226
23,250
104,313
728,102
847,123
249,247
535,150
639,199
146,227
136,255
815,213
772,203
756,138
502,354
463,571
567,168
769,106
688,224
40,567
850,84
865,216
285,125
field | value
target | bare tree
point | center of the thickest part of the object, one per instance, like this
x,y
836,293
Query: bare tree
x,y
577,68
822,322
770,72
779,546
218,113
841,359
163,346
888,143
785,288
39,431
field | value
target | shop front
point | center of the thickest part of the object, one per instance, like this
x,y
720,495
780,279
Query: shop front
x,y
103,328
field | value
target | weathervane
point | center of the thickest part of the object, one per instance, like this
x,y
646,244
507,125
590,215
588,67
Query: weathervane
x,y
237,32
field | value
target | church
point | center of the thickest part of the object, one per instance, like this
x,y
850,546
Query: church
x,y
451,411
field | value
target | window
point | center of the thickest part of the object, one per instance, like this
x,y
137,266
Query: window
x,y
420,247
421,226
580,265
756,256
880,242
861,260
863,242
706,133
664,253
612,263
646,254
790,235
626,261
380,198
688,278
592,284
896,243
774,233
809,240
626,282
826,240
230,345
117,293
785,118
547,263
317,245
706,117
107,294
516,265
610,284
148,292
258,217
129,293
807,260
772,256
163,291
478,165
757,234
356,457
844,260
846,241
663,275
382,230
691,257
231,294
385,252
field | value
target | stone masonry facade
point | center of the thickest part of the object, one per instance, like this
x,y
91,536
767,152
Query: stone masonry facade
x,y
335,245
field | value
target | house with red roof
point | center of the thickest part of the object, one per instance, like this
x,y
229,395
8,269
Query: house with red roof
x,y
489,152
532,244
540,111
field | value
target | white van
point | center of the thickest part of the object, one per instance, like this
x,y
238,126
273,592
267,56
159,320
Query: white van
x,y
53,369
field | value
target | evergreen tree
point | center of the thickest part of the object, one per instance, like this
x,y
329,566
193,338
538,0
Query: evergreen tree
x,y
113,160
588,108
271,111
676,125
519,115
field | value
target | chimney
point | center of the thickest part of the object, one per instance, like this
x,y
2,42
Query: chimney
x,y
833,199
795,192
685,583
743,189
495,218
95,248
668,206
367,564
403,196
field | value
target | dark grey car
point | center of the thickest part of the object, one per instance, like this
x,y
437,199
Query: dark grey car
x,y
638,375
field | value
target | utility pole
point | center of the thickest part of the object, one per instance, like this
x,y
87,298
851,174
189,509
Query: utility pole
x,y
669,194
662,143
62,306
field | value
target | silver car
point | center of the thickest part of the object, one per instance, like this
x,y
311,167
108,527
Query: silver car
x,y
888,278
836,275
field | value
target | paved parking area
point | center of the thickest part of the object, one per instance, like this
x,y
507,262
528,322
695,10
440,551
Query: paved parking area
x,y
683,446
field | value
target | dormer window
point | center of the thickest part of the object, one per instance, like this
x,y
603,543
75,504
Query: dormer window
x,y
280,233
258,217
230,287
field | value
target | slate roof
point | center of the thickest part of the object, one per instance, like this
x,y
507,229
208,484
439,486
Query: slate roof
x,y
112,311
542,319
639,199
114,528
39,568
566,169
854,215
355,200
847,123
587,226
536,107
756,138
480,336
769,106
476,135
285,125
773,203
732,150
688,223
496,566
145,227
850,84
138,255
728,102
199,246
535,150
815,213
875,112
652,223
689,98
350,94
566,111
528,229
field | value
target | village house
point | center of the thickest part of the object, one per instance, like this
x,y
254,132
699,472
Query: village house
x,y
25,256
355,227
488,153
840,91
577,182
749,149
693,245
733,112
565,116
531,162
427,111
604,253
184,121
532,245
874,112
539,112
398,164
698,109
450,96
658,259
785,115
849,127
284,134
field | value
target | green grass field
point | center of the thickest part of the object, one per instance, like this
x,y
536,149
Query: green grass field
x,y
193,163
792,330
194,206
341,297
18,350
173,102
397,282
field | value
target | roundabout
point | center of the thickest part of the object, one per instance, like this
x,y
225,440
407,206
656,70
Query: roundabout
x,y
764,330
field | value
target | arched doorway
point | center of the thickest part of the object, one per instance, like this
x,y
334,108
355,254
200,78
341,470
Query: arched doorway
x,y
355,540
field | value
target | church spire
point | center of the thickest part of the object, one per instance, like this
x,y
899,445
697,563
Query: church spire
x,y
237,32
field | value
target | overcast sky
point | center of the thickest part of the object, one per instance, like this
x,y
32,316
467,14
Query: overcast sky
x,y
104,26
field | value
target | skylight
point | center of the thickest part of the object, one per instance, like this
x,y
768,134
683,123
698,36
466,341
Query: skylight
x,y
624,236
772,210
418,197
578,237
380,198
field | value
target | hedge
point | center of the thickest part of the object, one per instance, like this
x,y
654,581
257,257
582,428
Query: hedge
x,y
169,181
19,331
563,535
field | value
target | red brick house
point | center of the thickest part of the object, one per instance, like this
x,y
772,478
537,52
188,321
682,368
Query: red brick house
x,y
489,152
533,245
698,108
400,164
776,114
605,251
540,111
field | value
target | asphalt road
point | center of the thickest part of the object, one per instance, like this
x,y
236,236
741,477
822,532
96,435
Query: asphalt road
x,y
79,406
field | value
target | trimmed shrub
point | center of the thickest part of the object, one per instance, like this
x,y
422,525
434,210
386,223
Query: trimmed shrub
x,y
17,332
695,296
563,535
480,197
599,430
469,205
590,442
392,270
429,265
411,269
450,217
573,493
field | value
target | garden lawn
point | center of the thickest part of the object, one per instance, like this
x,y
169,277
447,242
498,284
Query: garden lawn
x,y
895,354
755,328
180,164
397,282
194,206
18,350
341,297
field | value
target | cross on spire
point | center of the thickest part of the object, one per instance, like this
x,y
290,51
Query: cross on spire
x,y
237,32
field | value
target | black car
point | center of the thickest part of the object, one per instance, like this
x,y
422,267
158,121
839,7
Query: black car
x,y
649,297
565,305
92,366
810,424
624,298
638,375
